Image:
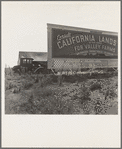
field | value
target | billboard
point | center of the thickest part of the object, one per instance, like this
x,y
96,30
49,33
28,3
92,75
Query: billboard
x,y
81,47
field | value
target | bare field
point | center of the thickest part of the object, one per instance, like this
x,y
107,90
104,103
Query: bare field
x,y
78,94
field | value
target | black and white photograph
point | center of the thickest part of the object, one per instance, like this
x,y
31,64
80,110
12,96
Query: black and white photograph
x,y
61,58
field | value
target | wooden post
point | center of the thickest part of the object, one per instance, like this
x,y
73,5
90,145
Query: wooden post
x,y
60,79
91,69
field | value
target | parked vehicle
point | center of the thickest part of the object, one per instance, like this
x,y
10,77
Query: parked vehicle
x,y
28,65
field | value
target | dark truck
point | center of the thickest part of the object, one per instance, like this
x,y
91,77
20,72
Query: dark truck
x,y
28,65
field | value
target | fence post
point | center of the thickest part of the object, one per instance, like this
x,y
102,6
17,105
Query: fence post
x,y
60,79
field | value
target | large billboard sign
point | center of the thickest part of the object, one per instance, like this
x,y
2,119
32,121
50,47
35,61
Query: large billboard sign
x,y
81,47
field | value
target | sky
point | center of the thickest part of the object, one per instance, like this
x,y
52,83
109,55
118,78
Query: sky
x,y
24,24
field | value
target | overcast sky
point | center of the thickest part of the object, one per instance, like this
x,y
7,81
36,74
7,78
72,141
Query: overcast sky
x,y
24,24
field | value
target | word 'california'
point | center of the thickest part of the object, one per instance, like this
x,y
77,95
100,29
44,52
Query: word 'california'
x,y
67,40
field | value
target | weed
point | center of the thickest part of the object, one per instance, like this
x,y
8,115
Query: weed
x,y
45,80
9,71
45,101
9,85
95,86
27,85
44,92
16,90
85,93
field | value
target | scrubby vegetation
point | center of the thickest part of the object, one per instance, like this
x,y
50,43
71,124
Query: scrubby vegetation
x,y
49,94
44,101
